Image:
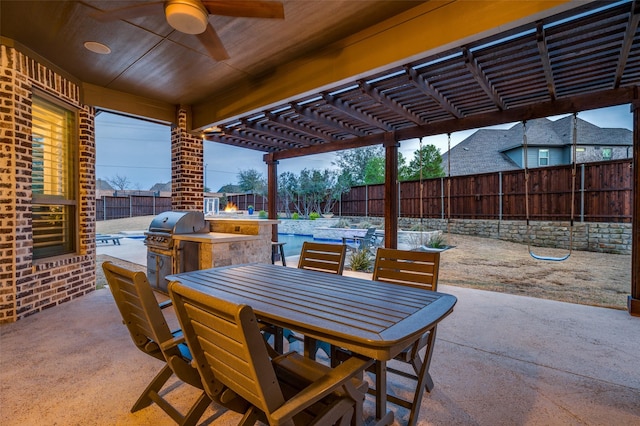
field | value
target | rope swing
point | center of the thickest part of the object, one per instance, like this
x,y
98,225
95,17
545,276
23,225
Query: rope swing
x,y
573,190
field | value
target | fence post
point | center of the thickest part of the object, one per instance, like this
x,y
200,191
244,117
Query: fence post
x,y
130,206
441,198
581,193
104,208
500,196
399,199
366,201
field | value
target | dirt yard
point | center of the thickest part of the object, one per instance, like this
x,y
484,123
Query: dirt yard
x,y
587,278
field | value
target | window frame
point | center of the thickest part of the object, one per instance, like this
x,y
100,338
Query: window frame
x,y
607,157
542,157
71,182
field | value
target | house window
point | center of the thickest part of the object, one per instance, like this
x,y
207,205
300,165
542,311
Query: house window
x,y
53,179
607,153
543,157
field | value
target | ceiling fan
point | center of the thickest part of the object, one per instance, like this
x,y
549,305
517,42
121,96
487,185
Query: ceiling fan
x,y
192,17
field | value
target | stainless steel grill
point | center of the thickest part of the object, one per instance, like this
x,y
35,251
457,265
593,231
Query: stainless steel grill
x,y
165,255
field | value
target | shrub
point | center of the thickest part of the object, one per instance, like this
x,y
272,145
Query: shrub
x,y
262,214
342,223
360,260
295,216
314,215
419,227
437,241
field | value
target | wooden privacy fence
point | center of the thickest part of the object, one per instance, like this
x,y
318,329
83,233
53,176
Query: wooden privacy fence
x,y
118,207
603,193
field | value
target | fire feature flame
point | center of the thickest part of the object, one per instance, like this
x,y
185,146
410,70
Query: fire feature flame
x,y
230,207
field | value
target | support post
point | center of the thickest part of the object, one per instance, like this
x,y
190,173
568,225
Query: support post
x,y
272,192
391,191
633,301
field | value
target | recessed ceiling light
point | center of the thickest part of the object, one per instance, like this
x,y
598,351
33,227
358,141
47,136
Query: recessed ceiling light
x,y
96,47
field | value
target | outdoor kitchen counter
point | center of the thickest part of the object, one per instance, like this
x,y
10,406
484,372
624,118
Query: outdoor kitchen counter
x,y
215,237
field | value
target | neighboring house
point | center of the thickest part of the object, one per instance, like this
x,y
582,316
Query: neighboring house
x,y
549,143
103,185
162,188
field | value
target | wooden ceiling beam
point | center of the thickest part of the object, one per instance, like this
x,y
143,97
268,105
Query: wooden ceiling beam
x,y
258,138
427,88
296,127
375,94
629,35
314,116
546,62
354,113
276,133
236,141
481,78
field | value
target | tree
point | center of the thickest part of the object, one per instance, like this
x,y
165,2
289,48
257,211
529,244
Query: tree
x,y
119,182
374,171
430,159
252,180
230,187
353,162
287,190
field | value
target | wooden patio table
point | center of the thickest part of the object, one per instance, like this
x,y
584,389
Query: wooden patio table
x,y
371,318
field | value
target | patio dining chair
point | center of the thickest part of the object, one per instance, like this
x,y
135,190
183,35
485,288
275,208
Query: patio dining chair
x,y
367,241
322,257
288,389
150,332
416,269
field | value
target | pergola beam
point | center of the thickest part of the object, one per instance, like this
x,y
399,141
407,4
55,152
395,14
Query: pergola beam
x,y
602,99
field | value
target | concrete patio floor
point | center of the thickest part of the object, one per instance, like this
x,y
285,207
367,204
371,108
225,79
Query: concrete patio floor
x,y
499,359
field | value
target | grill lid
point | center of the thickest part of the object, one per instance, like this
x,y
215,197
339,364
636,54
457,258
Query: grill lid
x,y
173,222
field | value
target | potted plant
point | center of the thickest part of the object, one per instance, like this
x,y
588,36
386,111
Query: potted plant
x,y
250,209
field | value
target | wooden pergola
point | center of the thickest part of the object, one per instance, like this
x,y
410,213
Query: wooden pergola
x,y
582,59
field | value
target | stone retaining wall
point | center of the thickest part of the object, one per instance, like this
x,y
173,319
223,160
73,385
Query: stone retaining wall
x,y
587,236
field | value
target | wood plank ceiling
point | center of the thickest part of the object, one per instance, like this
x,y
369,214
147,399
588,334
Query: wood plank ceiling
x,y
582,59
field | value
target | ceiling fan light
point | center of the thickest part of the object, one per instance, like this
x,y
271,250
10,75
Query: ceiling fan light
x,y
187,17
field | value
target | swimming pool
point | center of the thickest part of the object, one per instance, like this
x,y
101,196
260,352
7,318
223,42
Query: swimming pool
x,y
294,242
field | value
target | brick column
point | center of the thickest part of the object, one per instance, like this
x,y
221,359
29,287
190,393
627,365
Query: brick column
x,y
28,286
187,171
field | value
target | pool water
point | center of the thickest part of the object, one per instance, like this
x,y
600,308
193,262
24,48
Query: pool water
x,y
294,242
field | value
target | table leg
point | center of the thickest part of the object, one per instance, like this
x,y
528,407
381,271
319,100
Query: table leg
x,y
381,389
278,338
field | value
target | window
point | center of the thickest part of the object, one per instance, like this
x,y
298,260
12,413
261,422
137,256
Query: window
x,y
53,179
607,153
543,157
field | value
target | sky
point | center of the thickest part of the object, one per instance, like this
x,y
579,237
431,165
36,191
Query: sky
x,y
141,151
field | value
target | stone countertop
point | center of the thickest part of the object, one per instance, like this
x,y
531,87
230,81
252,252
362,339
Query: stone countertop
x,y
242,219
215,237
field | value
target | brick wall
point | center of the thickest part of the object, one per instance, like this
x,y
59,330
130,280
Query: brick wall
x,y
27,287
187,154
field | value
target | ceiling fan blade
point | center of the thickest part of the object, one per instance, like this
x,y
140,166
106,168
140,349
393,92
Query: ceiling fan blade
x,y
246,8
209,38
129,12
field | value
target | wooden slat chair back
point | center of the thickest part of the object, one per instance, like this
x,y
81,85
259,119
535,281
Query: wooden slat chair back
x,y
150,332
322,257
284,389
416,269
412,268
